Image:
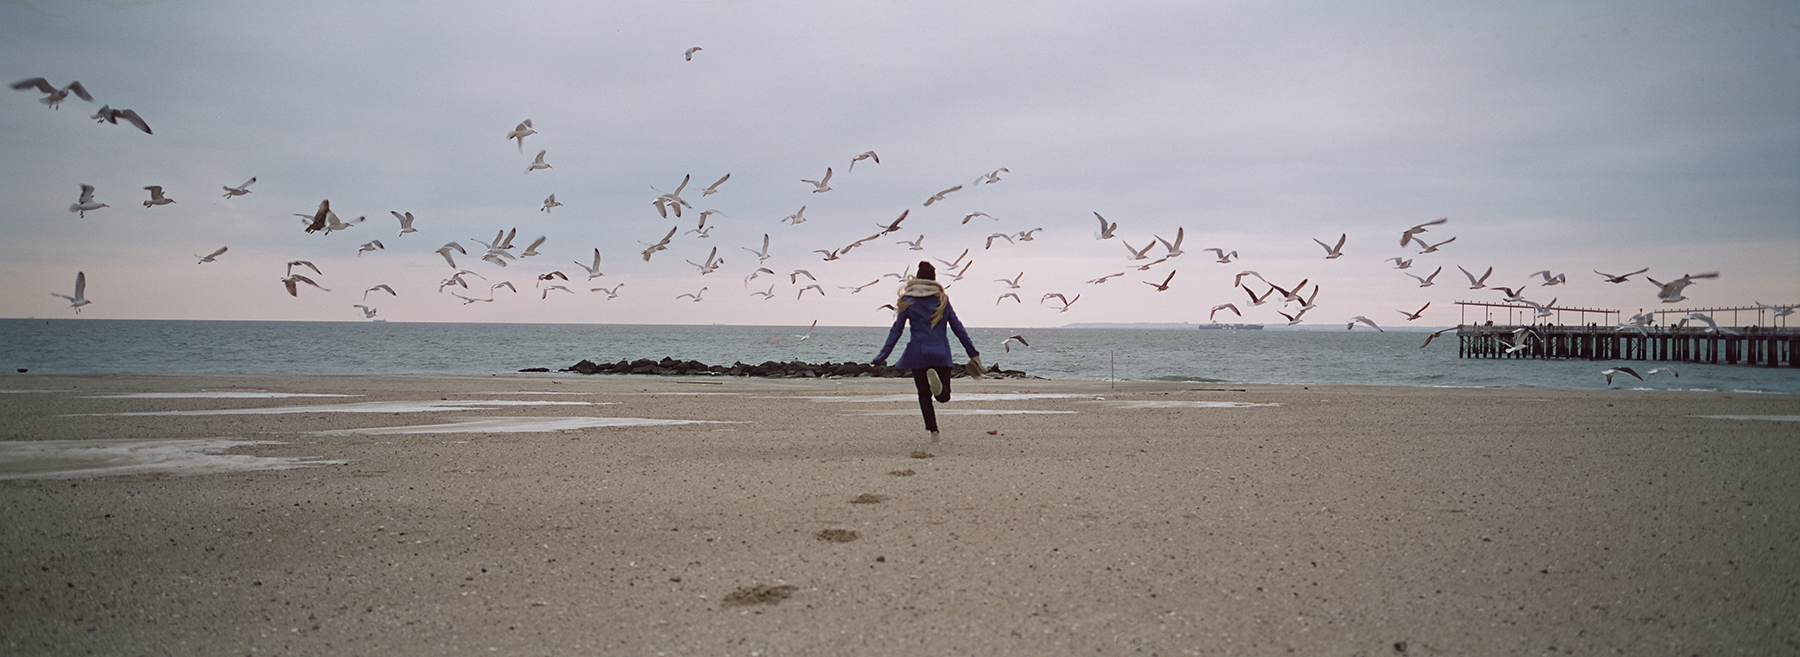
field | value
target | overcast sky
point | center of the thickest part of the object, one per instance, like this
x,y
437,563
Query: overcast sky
x,y
1568,137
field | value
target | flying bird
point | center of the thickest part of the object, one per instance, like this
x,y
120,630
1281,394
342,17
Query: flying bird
x,y
1065,301
1477,283
994,236
371,245
1174,248
1620,278
1415,314
766,294
610,294
695,296
1223,257
1102,279
794,276
538,163
858,288
895,225
367,312
1106,228
1365,320
379,288
991,177
940,195
822,184
953,264
1138,254
662,245
1333,252
797,218
1432,248
1426,281
1007,343
406,221
1164,286
973,215
1014,295
211,257
592,270
689,55
550,202
1670,292
291,279
1434,335
240,190
1400,263
110,115
714,188
447,248
814,286
764,253
532,250
1620,370
156,196
317,223
520,133
1025,235
1223,306
1549,280
1410,233
86,202
303,263
866,155
53,96
80,299
1663,370
1012,283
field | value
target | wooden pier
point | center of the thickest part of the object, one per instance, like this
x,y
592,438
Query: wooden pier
x,y
1765,345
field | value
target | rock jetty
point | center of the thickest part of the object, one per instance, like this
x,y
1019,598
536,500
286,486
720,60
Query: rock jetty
x,y
769,369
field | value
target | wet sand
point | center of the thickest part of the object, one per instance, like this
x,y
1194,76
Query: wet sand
x,y
814,518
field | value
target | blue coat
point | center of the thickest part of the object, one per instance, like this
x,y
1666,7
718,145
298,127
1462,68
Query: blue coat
x,y
930,345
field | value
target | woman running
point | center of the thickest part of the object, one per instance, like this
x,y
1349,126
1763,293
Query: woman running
x,y
924,305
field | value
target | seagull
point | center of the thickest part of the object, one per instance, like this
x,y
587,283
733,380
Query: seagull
x,y
371,245
333,223
532,250
497,257
240,190
550,202
1025,235
1670,292
1163,286
1175,248
1292,319
1102,279
957,276
610,294
456,279
367,312
1138,254
1711,326
973,215
1620,278
503,284
406,220
211,257
940,195
382,287
990,177
809,330
1065,301
317,223
1434,335
689,55
305,263
1410,233
829,255
1223,256
1780,311
538,163
1400,263
291,279
554,275
992,237
1477,283
895,225
548,288
1543,310
520,133
1014,295
797,218
794,276
854,288
1224,306
80,298
156,196
1106,228
1239,280
1432,248
952,265
913,245
110,115
468,300
822,184
866,155
594,270
814,286
714,188
1333,252
1012,283
695,296
662,245
54,96
1365,320
86,202
1511,295
703,215
1287,296
1256,300
1415,314
766,295
1007,343
764,253
1619,370
1426,281
672,200
447,248
712,262
1661,370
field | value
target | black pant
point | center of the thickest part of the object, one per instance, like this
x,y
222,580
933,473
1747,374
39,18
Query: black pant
x,y
924,386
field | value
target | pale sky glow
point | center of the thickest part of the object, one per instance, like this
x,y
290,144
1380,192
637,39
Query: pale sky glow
x,y
1611,136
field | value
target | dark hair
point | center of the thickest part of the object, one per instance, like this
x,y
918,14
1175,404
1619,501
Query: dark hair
x,y
926,271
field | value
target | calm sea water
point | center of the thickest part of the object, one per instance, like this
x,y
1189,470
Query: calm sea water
x,y
1302,357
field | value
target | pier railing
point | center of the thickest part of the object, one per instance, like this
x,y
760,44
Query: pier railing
x,y
1767,345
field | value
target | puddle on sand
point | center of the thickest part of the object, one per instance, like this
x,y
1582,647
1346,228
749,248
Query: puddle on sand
x,y
1182,403
221,394
1766,418
963,411
67,459
515,425
960,396
360,407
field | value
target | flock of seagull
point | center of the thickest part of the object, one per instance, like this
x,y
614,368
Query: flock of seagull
x,y
500,252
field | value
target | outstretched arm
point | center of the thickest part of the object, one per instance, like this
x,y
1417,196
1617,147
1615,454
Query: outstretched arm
x,y
892,339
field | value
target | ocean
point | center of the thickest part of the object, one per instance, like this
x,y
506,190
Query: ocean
x,y
1359,357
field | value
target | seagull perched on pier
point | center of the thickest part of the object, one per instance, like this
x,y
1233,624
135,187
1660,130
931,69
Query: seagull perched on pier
x,y
80,298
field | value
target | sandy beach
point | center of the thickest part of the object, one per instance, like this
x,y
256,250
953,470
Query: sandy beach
x,y
569,515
